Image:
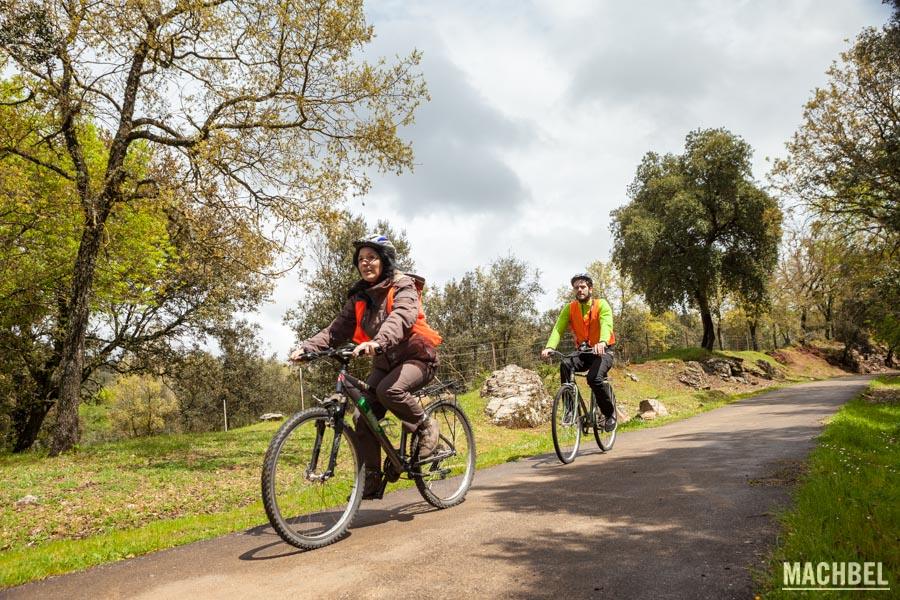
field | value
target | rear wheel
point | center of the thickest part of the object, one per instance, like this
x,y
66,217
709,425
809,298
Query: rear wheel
x,y
444,478
306,506
566,423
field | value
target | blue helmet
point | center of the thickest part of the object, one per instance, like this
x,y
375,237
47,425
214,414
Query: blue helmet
x,y
378,242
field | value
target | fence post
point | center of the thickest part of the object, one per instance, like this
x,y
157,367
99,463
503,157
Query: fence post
x,y
494,356
225,412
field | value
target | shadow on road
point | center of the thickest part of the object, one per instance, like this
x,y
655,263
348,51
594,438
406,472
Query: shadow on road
x,y
684,519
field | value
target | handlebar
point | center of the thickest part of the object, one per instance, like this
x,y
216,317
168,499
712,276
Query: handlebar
x,y
342,354
582,349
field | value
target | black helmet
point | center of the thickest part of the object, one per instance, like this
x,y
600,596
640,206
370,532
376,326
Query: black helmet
x,y
584,276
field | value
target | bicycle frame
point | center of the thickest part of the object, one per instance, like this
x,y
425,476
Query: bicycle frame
x,y
356,390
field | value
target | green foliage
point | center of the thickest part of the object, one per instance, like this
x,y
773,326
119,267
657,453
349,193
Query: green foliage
x,y
843,160
697,224
141,406
222,135
489,305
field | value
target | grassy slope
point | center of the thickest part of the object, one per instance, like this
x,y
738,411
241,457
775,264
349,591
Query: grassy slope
x,y
116,500
847,507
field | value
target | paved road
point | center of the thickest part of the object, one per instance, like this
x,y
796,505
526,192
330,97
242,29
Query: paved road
x,y
681,511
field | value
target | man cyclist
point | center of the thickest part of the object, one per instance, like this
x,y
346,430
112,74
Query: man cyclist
x,y
591,322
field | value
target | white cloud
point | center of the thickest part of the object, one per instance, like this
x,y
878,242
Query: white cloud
x,y
542,110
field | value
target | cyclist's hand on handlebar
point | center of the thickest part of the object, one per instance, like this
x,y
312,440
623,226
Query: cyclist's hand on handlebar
x,y
297,355
368,348
546,352
599,348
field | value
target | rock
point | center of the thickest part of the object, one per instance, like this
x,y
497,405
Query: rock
x,y
693,375
632,376
26,501
766,369
717,366
652,408
271,417
517,398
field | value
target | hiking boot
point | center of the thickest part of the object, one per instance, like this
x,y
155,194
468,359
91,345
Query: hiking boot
x,y
429,436
374,485
609,423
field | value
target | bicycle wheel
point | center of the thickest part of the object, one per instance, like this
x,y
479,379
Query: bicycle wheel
x,y
446,476
306,508
605,439
566,423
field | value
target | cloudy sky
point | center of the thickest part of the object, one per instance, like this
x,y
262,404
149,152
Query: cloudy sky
x,y
542,110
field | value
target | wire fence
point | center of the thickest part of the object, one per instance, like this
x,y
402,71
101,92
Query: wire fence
x,y
467,360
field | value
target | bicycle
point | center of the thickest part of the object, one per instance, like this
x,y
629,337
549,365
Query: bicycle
x,y
571,417
313,475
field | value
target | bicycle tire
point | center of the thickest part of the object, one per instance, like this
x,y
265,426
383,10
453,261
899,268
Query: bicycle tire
x,y
444,482
564,426
294,499
605,439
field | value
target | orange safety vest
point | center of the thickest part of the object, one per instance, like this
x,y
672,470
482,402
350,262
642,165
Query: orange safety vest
x,y
420,327
587,329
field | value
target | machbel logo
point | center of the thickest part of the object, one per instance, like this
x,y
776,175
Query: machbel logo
x,y
834,576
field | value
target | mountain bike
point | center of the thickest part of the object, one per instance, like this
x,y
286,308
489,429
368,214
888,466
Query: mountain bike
x,y
313,474
571,417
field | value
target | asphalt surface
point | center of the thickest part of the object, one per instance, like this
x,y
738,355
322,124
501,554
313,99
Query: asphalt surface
x,y
681,511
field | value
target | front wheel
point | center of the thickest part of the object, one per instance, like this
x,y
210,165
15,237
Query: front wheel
x,y
444,477
605,439
566,423
308,506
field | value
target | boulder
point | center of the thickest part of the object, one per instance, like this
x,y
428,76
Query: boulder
x,y
717,366
632,376
271,417
693,375
651,408
516,398
766,369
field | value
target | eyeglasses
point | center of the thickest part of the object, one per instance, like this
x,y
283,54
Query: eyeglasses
x,y
368,261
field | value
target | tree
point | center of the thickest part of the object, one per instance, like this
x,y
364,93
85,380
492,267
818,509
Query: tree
x,y
167,271
259,112
142,405
844,161
493,305
696,222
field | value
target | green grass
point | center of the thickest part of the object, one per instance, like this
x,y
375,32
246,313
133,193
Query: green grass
x,y
847,507
115,500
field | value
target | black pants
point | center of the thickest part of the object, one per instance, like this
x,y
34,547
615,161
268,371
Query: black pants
x,y
597,366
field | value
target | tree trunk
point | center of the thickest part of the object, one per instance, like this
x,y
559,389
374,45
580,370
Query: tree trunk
x,y
754,342
803,329
27,424
71,363
709,334
829,324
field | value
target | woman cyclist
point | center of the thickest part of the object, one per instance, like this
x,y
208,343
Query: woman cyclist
x,y
384,317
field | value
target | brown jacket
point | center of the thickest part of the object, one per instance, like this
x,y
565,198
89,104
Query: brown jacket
x,y
393,332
